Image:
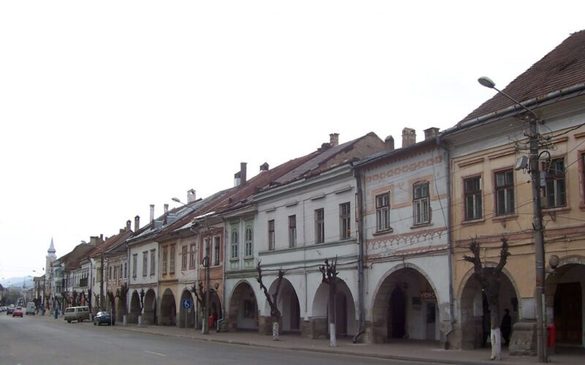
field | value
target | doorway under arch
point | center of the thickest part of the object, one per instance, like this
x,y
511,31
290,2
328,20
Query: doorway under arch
x,y
475,315
345,314
405,307
243,309
288,304
168,309
149,316
134,307
187,315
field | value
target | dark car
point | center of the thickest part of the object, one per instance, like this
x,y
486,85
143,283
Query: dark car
x,y
10,309
17,312
102,317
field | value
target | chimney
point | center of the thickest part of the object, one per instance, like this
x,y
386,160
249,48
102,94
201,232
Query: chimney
x,y
264,167
166,214
151,213
191,196
240,176
334,139
431,133
389,142
128,224
408,137
136,223
242,173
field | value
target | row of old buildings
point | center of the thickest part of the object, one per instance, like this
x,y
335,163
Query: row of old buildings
x,y
396,221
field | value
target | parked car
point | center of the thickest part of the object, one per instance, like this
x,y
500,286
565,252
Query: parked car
x,y
3,309
17,312
31,308
10,309
102,317
76,314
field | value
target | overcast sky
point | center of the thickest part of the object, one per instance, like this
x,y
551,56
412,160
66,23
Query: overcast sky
x,y
107,107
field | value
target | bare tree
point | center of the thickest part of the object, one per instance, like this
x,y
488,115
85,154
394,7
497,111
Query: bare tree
x,y
272,300
200,297
112,298
122,295
329,272
490,278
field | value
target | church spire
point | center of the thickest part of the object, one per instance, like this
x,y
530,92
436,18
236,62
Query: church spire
x,y
51,250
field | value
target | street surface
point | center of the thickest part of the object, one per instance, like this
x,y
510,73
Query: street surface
x,y
45,341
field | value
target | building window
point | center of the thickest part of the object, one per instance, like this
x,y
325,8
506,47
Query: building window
x,y
382,212
192,256
421,203
292,230
126,270
473,199
344,221
206,257
319,225
504,181
184,257
248,241
165,259
216,250
109,273
555,191
172,260
234,243
144,263
152,262
271,237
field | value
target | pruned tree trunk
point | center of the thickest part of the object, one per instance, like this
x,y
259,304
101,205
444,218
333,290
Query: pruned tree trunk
x,y
329,272
272,301
489,279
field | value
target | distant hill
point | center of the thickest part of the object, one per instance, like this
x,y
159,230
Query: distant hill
x,y
18,282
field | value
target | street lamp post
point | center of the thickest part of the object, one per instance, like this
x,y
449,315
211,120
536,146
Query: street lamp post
x,y
537,227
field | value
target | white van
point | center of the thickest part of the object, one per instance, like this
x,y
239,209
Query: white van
x,y
31,308
76,314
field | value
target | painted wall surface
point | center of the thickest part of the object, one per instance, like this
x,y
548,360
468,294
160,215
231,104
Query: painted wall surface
x,y
498,146
410,254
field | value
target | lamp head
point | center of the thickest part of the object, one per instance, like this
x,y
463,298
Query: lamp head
x,y
175,199
487,82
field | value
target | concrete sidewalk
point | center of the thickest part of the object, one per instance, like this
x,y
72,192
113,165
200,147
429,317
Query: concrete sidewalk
x,y
399,350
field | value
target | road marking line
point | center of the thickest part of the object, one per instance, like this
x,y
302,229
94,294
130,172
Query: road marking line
x,y
156,353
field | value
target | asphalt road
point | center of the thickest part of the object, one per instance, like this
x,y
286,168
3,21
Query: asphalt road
x,y
36,341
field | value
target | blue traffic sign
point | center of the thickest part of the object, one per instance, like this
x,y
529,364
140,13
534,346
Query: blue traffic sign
x,y
187,303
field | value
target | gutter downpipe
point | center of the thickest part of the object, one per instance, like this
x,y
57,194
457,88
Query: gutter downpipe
x,y
450,244
360,242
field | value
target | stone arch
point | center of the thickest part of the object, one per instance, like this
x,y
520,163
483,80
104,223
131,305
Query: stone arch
x,y
168,309
288,304
405,306
565,299
187,315
243,308
149,311
345,313
474,313
134,307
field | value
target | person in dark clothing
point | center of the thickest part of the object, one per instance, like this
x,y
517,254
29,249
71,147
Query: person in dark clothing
x,y
506,327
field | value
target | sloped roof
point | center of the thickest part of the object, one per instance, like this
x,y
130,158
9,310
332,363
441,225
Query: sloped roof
x,y
74,257
111,242
320,162
562,68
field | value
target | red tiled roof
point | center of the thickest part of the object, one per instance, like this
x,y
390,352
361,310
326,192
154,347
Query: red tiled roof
x,y
561,68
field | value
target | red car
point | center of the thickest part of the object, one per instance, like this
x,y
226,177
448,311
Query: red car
x,y
18,312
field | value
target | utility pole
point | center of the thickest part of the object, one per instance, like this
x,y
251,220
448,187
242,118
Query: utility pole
x,y
538,235
537,227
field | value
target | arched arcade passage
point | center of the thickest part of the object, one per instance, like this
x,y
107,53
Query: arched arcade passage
x,y
243,309
405,307
168,309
